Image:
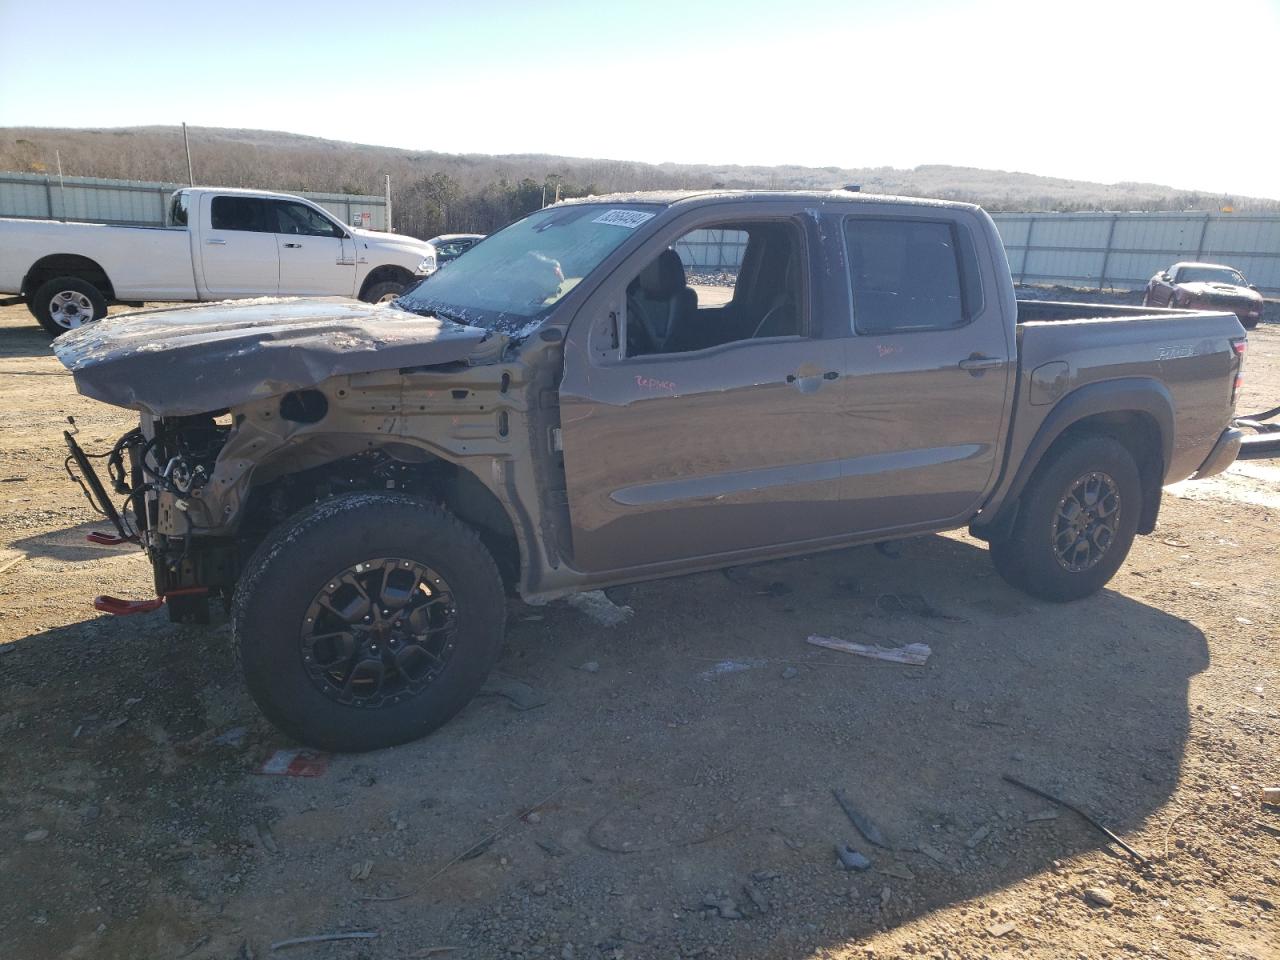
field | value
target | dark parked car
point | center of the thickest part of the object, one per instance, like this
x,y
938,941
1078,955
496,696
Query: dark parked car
x,y
558,412
1206,286
450,246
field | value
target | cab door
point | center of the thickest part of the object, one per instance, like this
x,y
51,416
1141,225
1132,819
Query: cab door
x,y
931,367
710,448
317,256
237,248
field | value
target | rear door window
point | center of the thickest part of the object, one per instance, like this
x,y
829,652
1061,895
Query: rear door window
x,y
910,275
241,213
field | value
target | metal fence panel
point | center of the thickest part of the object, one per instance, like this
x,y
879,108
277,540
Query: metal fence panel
x,y
1123,250
140,203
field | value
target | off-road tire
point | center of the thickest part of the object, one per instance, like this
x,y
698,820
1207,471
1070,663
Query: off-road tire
x,y
286,571
1026,557
40,303
379,291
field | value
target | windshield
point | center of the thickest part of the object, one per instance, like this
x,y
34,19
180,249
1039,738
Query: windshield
x,y
1211,275
519,273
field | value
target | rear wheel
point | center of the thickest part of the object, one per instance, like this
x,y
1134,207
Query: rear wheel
x,y
65,303
367,621
1076,521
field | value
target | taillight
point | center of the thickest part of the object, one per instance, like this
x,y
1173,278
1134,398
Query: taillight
x,y
1239,346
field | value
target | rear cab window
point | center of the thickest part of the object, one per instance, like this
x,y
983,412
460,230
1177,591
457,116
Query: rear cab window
x,y
251,214
178,209
911,275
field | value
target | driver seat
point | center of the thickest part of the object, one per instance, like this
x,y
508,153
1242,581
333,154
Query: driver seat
x,y
659,304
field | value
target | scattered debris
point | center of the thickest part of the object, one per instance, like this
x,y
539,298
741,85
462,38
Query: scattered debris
x,y
480,845
864,825
520,695
899,870
266,838
914,654
295,763
1099,897
731,666
232,738
790,673
361,871
325,937
977,837
724,906
933,853
1271,796
756,897
591,666
35,836
12,563
885,894
1048,796
552,849
775,588
600,608
1037,815
1000,929
1174,542
850,858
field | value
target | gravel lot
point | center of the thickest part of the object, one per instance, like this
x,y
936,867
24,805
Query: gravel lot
x,y
671,796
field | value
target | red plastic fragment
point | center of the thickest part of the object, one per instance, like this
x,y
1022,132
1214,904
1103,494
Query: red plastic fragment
x,y
295,763
124,608
104,538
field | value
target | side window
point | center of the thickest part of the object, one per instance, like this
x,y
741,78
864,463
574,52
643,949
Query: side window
x,y
178,209
719,284
911,275
301,220
240,213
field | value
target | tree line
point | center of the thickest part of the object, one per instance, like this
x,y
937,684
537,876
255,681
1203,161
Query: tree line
x,y
436,193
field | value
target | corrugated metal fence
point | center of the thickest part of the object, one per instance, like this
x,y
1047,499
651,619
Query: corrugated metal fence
x,y
1123,250
140,203
1096,250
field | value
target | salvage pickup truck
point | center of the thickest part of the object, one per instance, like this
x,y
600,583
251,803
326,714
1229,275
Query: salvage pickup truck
x,y
218,244
557,412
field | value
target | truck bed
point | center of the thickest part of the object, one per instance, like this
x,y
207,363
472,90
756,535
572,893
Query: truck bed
x,y
1049,310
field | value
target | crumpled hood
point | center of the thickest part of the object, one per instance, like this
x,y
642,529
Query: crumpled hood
x,y
197,359
1202,288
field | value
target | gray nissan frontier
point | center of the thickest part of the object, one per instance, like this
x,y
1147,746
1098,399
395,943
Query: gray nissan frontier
x,y
363,485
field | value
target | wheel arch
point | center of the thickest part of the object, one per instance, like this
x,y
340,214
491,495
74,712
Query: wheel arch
x,y
456,486
387,272
67,265
1137,412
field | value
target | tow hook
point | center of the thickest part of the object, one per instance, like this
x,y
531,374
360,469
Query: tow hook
x,y
126,608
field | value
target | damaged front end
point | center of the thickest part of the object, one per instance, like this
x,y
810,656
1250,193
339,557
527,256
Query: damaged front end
x,y
247,413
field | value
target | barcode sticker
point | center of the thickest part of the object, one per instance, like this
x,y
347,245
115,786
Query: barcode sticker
x,y
624,218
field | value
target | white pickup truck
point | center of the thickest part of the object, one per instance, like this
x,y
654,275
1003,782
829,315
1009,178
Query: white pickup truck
x,y
216,245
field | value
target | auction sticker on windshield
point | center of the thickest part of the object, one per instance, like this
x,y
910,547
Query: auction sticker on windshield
x,y
624,218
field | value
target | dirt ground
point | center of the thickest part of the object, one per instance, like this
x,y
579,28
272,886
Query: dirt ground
x,y
668,791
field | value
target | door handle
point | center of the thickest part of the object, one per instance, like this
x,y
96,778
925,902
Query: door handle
x,y
976,363
811,383
216,240
294,246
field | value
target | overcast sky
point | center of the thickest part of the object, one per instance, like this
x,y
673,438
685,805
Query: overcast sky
x,y
1172,92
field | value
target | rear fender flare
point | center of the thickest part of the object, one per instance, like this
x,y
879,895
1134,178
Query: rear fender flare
x,y
1128,395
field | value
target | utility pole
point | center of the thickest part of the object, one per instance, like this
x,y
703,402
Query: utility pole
x,y
62,187
387,187
191,177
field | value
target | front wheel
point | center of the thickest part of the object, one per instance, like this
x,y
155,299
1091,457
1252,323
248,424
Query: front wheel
x,y
1076,521
367,621
384,292
65,303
